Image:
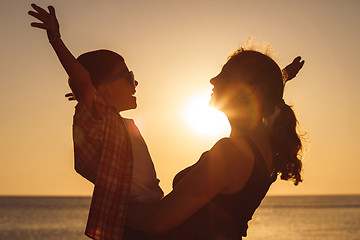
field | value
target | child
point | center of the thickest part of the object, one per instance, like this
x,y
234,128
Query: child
x,y
109,150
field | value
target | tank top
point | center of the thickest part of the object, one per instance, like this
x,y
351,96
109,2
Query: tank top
x,y
226,216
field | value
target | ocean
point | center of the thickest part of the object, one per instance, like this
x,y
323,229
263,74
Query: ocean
x,y
278,218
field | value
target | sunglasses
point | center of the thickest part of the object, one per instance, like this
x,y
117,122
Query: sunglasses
x,y
128,75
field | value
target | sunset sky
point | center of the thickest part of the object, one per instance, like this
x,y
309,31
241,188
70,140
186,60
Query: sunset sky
x,y
174,48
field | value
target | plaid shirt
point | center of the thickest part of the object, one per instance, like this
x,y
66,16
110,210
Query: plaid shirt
x,y
103,155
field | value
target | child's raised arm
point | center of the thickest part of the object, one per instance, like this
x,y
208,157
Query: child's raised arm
x,y
77,73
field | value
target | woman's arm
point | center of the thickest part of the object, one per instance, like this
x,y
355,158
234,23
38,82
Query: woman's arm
x,y
209,177
77,73
290,71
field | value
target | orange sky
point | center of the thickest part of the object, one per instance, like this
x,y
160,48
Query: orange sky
x,y
174,48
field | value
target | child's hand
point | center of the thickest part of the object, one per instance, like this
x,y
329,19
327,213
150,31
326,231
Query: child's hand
x,y
49,22
293,68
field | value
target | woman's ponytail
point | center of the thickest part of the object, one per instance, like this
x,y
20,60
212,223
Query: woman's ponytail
x,y
286,144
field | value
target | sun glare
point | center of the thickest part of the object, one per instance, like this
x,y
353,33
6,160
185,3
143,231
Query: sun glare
x,y
204,119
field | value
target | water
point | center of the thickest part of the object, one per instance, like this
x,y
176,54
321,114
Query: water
x,y
278,218
37,218
307,218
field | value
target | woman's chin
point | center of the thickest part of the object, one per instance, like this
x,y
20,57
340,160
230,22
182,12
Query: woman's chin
x,y
212,102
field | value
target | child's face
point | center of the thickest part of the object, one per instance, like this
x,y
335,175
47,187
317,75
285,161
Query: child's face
x,y
119,93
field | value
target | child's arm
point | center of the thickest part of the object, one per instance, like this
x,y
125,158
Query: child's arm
x,y
77,73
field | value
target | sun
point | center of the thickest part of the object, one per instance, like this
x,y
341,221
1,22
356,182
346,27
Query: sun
x,y
204,119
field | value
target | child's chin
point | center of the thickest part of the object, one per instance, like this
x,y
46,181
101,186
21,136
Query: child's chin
x,y
129,107
133,106
134,102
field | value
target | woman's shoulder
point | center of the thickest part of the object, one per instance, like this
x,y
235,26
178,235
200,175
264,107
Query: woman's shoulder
x,y
232,152
233,146
235,158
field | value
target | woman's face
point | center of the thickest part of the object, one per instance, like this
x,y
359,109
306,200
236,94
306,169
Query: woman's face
x,y
227,85
232,93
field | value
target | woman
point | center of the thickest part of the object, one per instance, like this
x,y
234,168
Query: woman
x,y
216,197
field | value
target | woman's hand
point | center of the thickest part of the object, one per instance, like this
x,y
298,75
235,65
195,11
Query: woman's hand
x,y
290,71
48,22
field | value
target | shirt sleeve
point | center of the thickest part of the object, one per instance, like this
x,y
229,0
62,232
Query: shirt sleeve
x,y
88,135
